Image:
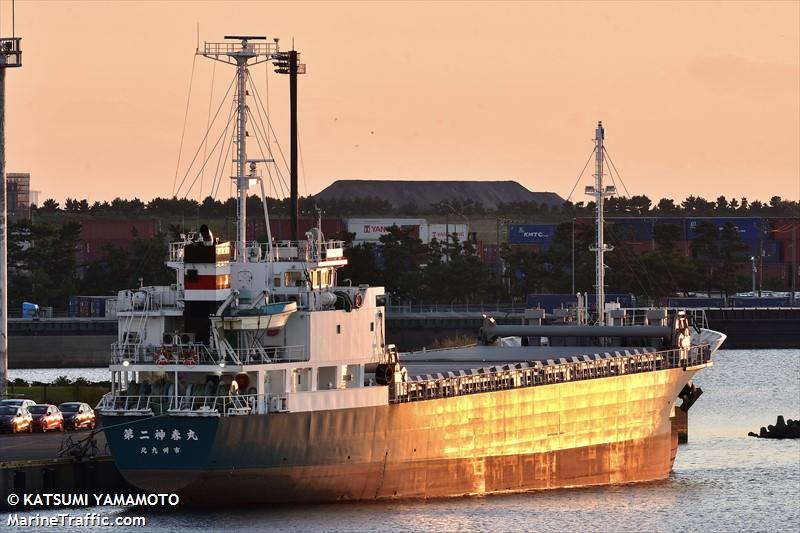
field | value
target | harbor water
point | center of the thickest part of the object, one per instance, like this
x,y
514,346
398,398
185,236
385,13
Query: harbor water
x,y
722,479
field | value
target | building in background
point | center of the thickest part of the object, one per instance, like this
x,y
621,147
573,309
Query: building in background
x,y
18,196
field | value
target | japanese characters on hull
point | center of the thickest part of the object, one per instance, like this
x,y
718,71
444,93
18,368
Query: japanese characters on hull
x,y
160,436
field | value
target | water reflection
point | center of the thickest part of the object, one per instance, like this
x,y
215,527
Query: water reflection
x,y
722,480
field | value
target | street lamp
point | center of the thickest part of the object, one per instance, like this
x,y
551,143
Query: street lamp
x,y
573,256
753,265
447,221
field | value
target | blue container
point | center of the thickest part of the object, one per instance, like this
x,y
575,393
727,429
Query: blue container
x,y
539,234
633,229
97,307
548,302
679,222
755,301
749,229
771,251
74,307
691,303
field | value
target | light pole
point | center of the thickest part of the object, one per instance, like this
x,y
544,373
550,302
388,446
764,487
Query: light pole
x,y
10,56
573,256
753,265
447,223
286,63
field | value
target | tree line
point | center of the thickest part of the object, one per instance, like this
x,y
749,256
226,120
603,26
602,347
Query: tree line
x,y
451,272
43,265
44,268
373,206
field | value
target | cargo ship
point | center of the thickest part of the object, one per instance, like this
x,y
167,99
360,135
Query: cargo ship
x,y
257,377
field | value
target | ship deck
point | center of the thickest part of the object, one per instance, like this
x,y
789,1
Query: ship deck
x,y
478,356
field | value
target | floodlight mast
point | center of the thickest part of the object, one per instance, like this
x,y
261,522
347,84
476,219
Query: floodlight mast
x,y
242,54
10,56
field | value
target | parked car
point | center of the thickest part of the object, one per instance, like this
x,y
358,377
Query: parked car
x,y
78,415
15,419
18,402
46,417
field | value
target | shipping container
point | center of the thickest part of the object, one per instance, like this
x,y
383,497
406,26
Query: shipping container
x,y
750,230
91,306
97,306
756,301
488,253
111,308
535,248
97,234
687,303
641,247
771,251
775,271
441,231
631,229
548,302
281,228
85,306
538,234
784,229
680,223
372,229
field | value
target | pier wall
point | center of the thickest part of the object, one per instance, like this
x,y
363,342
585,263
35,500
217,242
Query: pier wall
x,y
61,476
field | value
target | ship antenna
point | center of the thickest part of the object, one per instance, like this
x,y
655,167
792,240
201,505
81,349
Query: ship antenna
x,y
242,54
600,192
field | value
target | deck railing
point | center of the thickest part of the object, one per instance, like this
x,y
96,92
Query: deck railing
x,y
201,354
122,404
303,251
538,373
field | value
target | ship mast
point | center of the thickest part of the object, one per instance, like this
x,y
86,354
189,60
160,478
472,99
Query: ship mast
x,y
599,192
243,55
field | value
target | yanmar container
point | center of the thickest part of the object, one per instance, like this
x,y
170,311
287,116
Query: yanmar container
x,y
372,229
441,231
538,234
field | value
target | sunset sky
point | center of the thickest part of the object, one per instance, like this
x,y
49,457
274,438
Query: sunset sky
x,y
697,98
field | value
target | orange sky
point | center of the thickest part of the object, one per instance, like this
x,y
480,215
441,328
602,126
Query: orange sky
x,y
697,98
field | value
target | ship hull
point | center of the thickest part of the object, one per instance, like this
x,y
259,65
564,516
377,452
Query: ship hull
x,y
593,432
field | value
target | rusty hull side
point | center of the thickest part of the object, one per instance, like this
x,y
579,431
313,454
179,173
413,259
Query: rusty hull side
x,y
598,431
